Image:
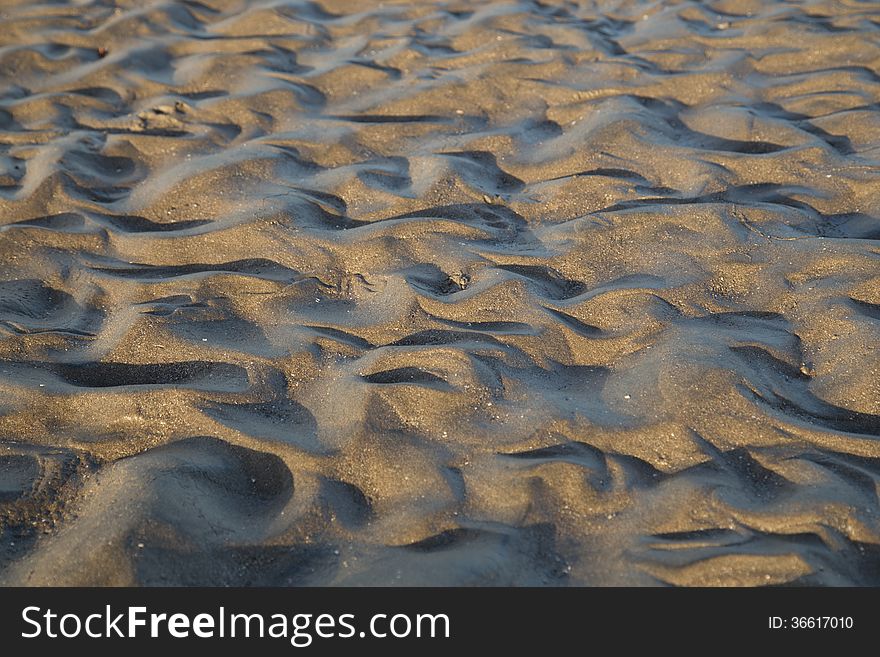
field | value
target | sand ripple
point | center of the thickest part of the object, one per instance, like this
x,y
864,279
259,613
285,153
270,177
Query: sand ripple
x,y
439,293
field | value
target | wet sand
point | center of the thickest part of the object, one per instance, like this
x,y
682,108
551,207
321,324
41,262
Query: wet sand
x,y
517,293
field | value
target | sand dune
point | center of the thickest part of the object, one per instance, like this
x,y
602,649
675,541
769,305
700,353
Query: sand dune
x,y
457,293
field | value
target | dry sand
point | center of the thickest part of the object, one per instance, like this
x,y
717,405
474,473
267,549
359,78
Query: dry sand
x,y
439,292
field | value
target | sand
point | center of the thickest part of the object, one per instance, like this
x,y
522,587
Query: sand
x,y
448,293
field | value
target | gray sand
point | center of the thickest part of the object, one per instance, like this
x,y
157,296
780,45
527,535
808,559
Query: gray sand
x,y
439,293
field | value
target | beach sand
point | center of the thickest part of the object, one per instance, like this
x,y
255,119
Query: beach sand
x,y
439,293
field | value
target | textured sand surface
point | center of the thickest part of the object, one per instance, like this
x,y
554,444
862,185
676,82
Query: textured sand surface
x,y
439,292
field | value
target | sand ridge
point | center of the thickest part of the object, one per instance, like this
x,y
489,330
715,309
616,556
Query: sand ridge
x,y
448,293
